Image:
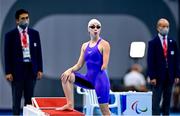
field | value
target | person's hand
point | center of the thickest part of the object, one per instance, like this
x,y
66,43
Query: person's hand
x,y
39,75
177,80
153,82
66,75
9,77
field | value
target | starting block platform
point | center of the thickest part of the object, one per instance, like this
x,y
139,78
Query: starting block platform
x,y
45,106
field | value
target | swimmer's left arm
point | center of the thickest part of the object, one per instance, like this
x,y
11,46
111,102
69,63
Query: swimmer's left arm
x,y
105,53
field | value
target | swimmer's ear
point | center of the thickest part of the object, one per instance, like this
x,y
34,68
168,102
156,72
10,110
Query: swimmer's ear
x,y
88,30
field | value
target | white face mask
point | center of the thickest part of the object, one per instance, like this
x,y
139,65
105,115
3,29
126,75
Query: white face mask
x,y
164,31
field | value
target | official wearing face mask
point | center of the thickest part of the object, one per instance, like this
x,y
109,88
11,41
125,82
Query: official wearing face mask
x,y
24,23
163,67
23,60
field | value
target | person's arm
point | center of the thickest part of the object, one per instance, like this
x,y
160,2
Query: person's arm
x,y
8,54
151,63
106,53
177,78
78,65
40,62
8,58
80,62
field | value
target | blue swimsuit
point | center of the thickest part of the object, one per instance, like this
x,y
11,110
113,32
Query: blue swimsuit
x,y
95,78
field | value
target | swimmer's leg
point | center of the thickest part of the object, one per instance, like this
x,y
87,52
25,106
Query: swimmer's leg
x,y
68,91
102,87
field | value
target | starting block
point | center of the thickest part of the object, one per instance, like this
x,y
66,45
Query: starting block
x,y
45,106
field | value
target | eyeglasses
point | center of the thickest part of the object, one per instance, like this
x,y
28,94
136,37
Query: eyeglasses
x,y
93,27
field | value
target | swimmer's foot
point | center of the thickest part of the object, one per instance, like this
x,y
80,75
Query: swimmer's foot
x,y
65,107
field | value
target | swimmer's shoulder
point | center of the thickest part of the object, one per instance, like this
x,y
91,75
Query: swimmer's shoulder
x,y
104,42
85,44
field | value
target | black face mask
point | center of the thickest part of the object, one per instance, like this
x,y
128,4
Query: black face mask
x,y
23,24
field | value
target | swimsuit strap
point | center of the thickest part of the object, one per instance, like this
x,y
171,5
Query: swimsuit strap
x,y
98,41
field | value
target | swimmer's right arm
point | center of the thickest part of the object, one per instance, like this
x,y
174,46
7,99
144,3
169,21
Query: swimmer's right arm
x,y
78,65
80,62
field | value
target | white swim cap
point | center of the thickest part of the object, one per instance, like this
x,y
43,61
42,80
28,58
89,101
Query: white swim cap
x,y
93,21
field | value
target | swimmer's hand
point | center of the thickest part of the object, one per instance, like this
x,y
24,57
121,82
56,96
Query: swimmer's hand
x,y
66,76
103,67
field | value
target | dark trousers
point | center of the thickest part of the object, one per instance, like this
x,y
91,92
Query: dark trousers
x,y
24,86
162,90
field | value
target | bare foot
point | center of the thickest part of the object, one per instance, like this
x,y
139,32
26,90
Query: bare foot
x,y
65,107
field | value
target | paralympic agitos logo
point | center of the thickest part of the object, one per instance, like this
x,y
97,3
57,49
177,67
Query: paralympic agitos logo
x,y
138,109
